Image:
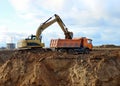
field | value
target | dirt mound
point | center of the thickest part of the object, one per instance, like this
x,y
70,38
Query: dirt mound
x,y
5,55
99,68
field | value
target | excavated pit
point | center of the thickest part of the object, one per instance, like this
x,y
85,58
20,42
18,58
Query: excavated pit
x,y
99,68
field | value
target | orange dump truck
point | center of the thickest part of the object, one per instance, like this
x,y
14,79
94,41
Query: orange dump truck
x,y
79,45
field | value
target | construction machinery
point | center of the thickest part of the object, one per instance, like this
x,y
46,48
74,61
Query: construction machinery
x,y
34,41
68,44
75,45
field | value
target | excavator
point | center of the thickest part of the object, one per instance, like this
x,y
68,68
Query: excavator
x,y
35,41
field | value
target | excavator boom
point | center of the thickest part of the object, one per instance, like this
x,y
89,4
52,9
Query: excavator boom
x,y
47,23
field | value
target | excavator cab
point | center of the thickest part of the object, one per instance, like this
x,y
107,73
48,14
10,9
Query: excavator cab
x,y
31,37
31,42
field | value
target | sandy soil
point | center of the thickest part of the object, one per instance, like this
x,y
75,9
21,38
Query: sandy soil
x,y
99,68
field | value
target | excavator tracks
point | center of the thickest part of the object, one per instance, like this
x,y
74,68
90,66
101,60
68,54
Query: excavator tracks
x,y
34,50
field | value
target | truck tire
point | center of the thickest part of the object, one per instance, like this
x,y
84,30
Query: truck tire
x,y
71,51
62,50
87,51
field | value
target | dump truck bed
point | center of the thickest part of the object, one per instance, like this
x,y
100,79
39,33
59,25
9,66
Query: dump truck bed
x,y
59,43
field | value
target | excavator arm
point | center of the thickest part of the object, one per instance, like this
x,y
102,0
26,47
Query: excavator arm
x,y
68,35
43,26
34,41
47,23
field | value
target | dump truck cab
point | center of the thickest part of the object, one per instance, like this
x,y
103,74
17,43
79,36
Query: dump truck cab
x,y
86,43
89,42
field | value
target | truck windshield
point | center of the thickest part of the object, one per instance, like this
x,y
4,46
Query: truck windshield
x,y
89,41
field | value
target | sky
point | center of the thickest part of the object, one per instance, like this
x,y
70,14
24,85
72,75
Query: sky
x,y
95,19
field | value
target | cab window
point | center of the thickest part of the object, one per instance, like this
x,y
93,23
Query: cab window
x,y
89,41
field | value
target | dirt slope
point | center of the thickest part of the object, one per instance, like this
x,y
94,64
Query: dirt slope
x,y
99,68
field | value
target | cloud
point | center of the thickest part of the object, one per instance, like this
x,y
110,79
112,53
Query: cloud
x,y
97,19
80,10
7,36
50,4
38,6
20,5
11,37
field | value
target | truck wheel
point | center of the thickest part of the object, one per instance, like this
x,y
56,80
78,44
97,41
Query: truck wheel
x,y
62,50
71,51
86,51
